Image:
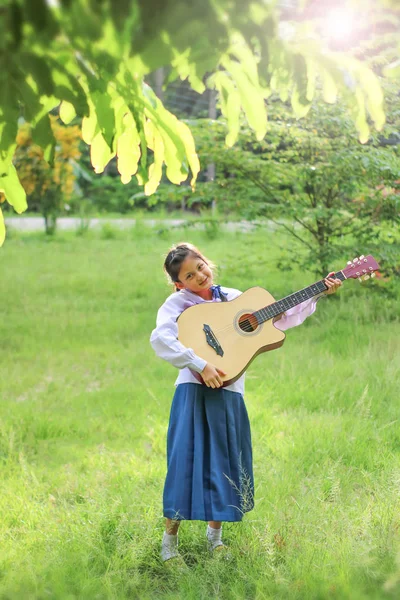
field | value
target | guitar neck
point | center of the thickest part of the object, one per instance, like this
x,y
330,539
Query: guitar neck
x,y
275,309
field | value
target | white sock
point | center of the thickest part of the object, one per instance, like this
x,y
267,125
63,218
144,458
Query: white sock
x,y
169,546
214,537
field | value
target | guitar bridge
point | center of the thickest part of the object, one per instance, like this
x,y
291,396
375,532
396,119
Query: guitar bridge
x,y
212,340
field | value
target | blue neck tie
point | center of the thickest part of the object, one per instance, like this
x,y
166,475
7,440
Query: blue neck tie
x,y
217,293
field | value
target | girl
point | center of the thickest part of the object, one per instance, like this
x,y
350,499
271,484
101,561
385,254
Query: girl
x,y
209,453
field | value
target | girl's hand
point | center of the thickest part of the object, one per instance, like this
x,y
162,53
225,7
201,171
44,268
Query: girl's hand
x,y
212,376
333,284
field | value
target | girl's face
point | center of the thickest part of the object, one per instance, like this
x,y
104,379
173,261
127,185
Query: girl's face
x,y
195,275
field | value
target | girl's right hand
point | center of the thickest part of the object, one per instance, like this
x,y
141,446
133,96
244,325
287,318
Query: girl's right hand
x,y
212,376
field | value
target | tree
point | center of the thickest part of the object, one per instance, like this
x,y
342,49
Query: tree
x,y
313,179
48,186
92,56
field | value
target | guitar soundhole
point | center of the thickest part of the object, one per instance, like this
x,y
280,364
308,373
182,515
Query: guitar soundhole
x,y
248,323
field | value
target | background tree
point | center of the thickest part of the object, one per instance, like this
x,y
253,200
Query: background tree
x,y
48,186
313,179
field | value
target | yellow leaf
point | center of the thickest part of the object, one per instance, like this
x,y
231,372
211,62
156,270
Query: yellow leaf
x,y
128,153
67,112
329,87
89,125
100,153
11,186
155,170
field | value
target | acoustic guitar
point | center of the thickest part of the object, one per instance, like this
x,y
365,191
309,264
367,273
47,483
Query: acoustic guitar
x,y
229,335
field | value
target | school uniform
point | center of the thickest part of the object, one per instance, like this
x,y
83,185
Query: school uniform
x,y
209,452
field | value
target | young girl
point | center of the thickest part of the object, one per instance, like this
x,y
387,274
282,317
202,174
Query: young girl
x,y
209,453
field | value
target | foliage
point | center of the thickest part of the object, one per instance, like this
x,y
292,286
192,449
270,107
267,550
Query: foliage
x,y
48,186
106,194
313,179
92,58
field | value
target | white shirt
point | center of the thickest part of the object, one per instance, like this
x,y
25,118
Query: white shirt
x,y
164,338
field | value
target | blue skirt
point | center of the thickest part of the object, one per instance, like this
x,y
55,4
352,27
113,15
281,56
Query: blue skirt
x,y
209,456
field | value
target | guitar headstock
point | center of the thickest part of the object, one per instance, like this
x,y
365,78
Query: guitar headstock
x,y
361,268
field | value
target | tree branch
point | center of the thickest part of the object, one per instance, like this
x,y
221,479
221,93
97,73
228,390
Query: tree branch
x,y
292,233
310,229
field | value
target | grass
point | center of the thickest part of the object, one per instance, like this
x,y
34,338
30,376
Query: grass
x,y
84,411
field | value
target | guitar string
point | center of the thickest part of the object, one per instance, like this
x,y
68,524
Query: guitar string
x,y
249,330
265,308
283,300
231,326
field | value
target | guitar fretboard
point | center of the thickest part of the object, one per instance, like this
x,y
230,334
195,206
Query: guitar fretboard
x,y
275,309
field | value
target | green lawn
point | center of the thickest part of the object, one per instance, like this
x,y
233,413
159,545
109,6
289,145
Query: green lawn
x,y
84,411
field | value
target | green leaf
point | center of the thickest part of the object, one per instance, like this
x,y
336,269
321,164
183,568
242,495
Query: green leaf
x,y
39,14
311,75
13,190
230,104
252,99
177,170
299,100
42,133
6,156
49,153
361,118
329,89
155,170
299,109
68,87
2,228
193,159
90,126
67,112
373,92
8,130
16,20
40,71
168,127
105,114
28,97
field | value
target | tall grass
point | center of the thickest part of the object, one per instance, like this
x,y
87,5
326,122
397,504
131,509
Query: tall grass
x,y
84,411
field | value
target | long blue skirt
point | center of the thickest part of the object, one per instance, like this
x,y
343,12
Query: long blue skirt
x,y
209,456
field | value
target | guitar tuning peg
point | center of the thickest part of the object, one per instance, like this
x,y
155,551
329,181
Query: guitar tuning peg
x,y
360,279
349,262
373,275
355,259
362,257
365,277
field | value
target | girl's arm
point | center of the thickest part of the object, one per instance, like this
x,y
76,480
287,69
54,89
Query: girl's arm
x,y
296,315
164,338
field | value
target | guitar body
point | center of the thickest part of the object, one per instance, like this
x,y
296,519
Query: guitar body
x,y
237,338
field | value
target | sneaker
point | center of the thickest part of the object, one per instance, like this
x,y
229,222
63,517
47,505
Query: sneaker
x,y
176,564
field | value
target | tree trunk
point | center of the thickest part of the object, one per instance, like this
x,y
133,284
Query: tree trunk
x,y
50,224
158,83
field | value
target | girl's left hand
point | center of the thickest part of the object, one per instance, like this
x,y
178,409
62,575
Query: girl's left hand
x,y
333,284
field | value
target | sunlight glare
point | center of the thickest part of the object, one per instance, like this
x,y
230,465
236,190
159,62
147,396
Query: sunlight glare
x,y
339,24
